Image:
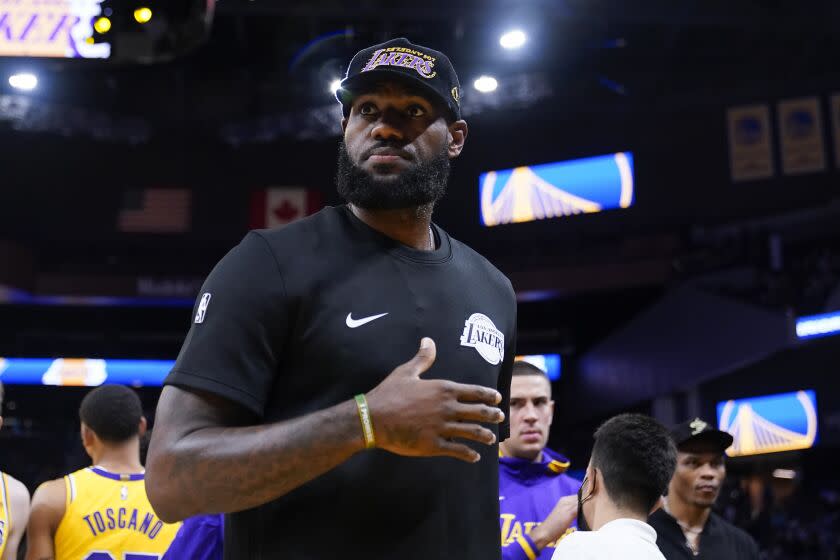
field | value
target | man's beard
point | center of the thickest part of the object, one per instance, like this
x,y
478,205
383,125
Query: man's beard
x,y
420,184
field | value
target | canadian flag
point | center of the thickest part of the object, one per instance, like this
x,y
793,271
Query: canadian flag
x,y
278,206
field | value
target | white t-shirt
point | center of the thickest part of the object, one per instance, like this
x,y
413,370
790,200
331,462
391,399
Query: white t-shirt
x,y
622,539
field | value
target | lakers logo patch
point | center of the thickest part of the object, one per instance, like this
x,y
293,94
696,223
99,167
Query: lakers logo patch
x,y
418,61
480,333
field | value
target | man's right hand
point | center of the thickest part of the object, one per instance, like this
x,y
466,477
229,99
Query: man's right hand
x,y
557,522
420,417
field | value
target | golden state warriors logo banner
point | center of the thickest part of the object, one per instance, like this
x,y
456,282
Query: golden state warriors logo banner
x,y
553,190
801,134
770,424
750,142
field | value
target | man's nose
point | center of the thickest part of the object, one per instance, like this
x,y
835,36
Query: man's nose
x,y
387,127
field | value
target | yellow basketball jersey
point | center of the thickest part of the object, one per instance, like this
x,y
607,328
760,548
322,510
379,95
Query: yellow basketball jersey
x,y
108,517
5,513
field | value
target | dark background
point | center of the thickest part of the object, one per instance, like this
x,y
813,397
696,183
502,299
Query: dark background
x,y
686,299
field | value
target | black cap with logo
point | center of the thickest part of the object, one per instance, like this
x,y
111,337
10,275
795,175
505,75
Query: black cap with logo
x,y
401,59
700,431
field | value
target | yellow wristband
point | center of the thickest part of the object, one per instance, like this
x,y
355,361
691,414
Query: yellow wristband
x,y
367,424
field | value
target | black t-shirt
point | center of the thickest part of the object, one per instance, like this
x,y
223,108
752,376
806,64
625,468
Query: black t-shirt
x,y
285,326
720,540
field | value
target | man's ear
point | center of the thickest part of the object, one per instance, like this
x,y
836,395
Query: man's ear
x,y
344,124
87,436
141,428
458,131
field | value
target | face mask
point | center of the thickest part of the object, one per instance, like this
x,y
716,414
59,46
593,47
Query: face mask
x,y
582,525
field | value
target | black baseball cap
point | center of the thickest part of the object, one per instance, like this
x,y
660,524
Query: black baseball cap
x,y
402,59
700,431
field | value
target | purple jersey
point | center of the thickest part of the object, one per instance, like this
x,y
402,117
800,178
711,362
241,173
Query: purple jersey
x,y
528,492
199,538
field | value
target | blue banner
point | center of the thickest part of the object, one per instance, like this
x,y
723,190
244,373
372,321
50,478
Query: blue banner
x,y
552,190
83,372
770,424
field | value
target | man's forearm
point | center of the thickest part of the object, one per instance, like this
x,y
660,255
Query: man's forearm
x,y
222,470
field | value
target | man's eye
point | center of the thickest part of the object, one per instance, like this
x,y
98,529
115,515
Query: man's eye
x,y
367,109
416,111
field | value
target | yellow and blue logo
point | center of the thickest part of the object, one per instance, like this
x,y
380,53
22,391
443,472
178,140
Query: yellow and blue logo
x,y
552,190
769,424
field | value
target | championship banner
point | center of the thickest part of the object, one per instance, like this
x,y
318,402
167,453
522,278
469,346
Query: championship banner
x,y
750,142
279,206
835,126
800,128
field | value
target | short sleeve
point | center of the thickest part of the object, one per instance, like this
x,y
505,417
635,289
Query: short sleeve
x,y
503,385
239,324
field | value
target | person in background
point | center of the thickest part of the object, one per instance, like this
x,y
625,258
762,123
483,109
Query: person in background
x,y
632,462
537,500
101,512
686,525
14,509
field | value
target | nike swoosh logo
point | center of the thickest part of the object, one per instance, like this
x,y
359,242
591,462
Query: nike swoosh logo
x,y
501,498
353,323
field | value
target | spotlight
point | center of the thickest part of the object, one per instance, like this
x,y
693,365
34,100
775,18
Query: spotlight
x,y
102,25
334,85
24,81
142,15
513,39
486,84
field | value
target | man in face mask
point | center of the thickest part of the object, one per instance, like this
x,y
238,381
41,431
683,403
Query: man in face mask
x,y
632,462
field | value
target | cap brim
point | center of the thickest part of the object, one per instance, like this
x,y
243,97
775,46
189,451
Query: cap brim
x,y
714,438
354,86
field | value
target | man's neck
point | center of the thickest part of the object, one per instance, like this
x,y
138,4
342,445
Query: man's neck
x,y
409,226
608,511
686,513
506,452
123,458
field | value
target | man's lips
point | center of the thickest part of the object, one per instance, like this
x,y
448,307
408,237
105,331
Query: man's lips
x,y
531,435
387,155
385,158
706,488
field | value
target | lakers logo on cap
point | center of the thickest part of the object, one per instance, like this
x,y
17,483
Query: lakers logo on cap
x,y
419,61
456,95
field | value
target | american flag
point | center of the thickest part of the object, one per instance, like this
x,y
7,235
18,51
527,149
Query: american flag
x,y
155,210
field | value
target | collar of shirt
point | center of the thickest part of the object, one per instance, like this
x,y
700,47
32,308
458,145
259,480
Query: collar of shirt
x,y
552,463
630,527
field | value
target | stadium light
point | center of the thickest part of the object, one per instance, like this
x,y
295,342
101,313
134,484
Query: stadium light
x,y
334,85
23,81
142,15
513,39
486,84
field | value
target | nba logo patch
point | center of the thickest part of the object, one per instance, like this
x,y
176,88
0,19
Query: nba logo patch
x,y
202,308
2,532
480,333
